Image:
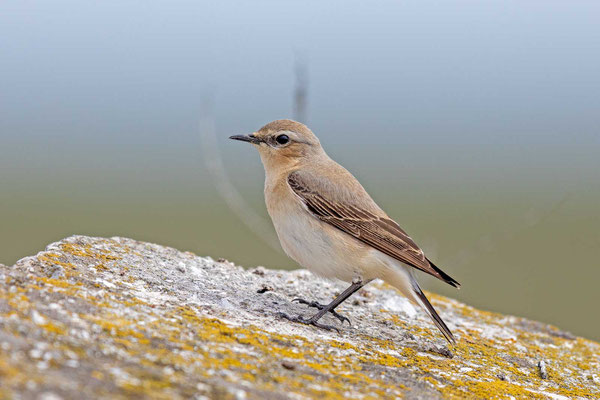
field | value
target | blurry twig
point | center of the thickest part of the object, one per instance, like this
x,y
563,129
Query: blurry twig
x,y
301,88
226,190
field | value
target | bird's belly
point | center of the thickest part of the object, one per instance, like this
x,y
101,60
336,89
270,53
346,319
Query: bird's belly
x,y
316,246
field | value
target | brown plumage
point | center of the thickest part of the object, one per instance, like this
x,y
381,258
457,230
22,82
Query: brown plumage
x,y
328,223
374,229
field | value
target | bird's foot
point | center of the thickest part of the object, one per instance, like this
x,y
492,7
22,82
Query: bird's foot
x,y
320,306
310,321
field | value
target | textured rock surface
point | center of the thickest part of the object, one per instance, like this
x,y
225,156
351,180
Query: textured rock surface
x,y
92,317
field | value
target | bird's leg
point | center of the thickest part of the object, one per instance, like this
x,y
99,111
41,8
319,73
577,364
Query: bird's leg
x,y
324,309
320,306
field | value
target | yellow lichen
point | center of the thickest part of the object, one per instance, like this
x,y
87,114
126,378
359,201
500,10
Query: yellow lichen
x,y
167,346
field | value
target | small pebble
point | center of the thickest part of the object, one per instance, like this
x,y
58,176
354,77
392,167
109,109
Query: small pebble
x,y
37,318
288,365
260,271
264,289
543,370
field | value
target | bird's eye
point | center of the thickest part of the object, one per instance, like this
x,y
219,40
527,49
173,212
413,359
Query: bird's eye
x,y
282,139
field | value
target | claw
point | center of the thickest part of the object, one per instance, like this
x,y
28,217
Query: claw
x,y
308,303
341,318
320,306
310,321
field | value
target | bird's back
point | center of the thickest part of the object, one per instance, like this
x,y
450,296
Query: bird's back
x,y
337,184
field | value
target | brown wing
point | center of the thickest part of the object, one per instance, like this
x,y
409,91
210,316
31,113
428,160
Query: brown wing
x,y
378,232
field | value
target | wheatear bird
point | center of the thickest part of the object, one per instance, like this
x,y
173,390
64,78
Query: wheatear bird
x,y
328,223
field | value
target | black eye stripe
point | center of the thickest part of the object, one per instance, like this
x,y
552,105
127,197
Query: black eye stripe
x,y
282,139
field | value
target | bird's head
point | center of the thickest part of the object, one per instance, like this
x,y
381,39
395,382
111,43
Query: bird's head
x,y
283,143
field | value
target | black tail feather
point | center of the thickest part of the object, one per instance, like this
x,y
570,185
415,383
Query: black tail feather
x,y
447,278
437,320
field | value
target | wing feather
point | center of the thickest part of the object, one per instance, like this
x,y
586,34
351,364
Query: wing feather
x,y
379,232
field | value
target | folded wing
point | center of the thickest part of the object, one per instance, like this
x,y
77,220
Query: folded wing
x,y
378,232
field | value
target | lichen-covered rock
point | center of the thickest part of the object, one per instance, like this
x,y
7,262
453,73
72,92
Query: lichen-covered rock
x,y
92,317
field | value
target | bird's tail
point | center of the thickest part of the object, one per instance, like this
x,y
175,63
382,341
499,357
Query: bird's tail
x,y
444,276
437,320
408,285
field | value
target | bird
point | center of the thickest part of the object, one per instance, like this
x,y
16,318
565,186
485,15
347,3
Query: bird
x,y
327,222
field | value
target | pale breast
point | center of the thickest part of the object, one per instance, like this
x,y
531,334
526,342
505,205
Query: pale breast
x,y
310,242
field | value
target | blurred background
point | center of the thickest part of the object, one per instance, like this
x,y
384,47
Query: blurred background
x,y
474,124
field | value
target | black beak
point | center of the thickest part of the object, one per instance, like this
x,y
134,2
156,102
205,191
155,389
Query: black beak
x,y
246,138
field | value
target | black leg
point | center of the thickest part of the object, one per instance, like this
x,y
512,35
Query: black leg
x,y
353,288
320,306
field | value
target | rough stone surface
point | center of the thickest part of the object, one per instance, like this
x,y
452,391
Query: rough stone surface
x,y
93,317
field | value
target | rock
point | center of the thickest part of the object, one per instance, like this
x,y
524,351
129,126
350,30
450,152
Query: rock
x,y
543,369
92,317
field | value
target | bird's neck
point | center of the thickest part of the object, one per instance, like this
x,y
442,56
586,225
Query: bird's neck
x,y
278,168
